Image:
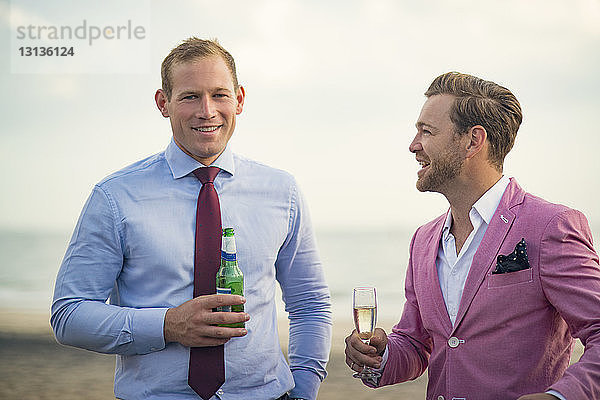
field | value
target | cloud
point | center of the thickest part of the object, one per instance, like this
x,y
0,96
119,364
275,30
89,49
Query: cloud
x,y
332,86
22,13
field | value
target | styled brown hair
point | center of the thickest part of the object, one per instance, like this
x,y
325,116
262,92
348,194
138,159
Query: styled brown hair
x,y
485,103
192,49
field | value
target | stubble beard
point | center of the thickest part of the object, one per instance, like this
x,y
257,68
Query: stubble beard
x,y
442,172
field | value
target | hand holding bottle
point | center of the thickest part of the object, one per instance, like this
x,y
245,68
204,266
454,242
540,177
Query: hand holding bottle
x,y
194,324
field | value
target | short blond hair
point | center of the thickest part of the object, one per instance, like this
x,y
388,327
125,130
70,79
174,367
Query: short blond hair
x,y
192,49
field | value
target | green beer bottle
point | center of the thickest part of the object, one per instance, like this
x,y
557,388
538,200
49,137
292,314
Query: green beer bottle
x,y
230,279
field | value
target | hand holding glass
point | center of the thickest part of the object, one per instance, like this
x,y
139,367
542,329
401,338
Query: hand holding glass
x,y
365,318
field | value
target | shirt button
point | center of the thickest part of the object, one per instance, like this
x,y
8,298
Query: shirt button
x,y
453,342
220,391
440,397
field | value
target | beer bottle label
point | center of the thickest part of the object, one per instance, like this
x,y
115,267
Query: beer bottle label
x,y
224,291
228,256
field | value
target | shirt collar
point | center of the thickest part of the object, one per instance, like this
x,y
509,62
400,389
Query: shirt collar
x,y
182,164
486,205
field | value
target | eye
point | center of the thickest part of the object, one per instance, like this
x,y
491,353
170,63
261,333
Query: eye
x,y
220,95
190,97
426,132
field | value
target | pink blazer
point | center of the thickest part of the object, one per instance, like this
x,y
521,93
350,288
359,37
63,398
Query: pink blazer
x,y
514,332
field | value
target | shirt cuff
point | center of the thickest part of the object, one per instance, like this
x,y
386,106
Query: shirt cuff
x,y
148,329
374,382
556,394
307,384
384,357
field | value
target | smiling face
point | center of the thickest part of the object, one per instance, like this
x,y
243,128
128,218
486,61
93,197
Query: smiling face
x,y
438,149
202,108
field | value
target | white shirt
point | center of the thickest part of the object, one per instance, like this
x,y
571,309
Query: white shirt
x,y
453,268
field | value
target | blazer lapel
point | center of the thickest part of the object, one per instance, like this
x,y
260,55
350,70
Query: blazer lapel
x,y
431,275
490,245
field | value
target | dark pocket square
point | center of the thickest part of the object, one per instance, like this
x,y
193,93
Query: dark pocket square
x,y
515,261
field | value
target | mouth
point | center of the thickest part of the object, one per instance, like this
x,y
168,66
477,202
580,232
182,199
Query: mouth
x,y
206,129
424,165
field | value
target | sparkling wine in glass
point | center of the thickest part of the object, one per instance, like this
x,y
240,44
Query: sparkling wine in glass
x,y
365,317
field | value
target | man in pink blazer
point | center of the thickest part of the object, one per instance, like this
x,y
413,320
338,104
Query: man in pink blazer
x,y
498,287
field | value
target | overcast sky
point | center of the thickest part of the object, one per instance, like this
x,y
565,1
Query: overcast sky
x,y
333,91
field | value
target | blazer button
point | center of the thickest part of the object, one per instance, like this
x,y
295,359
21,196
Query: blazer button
x,y
440,397
453,342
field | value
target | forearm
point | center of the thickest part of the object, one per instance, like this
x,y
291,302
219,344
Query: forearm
x,y
571,281
582,379
310,341
406,360
409,344
104,328
309,307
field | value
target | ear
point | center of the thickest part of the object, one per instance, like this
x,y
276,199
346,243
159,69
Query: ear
x,y
240,96
477,137
161,102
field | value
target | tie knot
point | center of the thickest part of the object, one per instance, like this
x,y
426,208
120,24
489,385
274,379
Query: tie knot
x,y
206,174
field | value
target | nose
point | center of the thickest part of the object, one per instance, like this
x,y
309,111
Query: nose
x,y
206,108
415,145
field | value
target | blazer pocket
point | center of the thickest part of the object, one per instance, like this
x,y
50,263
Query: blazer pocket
x,y
510,278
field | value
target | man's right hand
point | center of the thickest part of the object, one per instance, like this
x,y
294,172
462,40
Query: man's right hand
x,y
193,323
359,354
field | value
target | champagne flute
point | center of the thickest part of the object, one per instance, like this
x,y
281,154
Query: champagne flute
x,y
365,317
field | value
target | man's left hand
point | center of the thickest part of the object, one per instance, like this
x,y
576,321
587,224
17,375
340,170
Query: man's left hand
x,y
538,396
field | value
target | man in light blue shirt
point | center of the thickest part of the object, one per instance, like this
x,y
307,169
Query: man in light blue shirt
x,y
134,246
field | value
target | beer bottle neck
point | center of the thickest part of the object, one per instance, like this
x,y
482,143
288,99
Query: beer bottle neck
x,y
228,245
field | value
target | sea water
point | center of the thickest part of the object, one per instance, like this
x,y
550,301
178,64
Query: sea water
x,y
29,262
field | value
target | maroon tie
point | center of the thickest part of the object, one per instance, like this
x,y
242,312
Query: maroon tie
x,y
207,367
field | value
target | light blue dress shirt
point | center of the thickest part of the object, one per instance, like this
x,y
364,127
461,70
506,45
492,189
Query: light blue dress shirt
x,y
134,246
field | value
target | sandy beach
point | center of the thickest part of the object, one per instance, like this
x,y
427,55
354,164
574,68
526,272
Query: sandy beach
x,y
34,366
